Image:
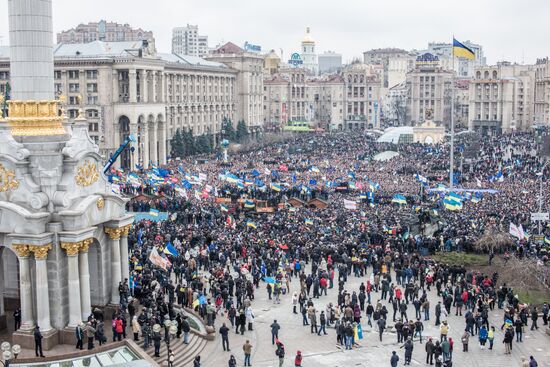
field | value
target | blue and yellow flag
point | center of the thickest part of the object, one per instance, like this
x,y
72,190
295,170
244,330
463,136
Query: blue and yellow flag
x,y
154,212
460,50
309,222
399,199
251,224
249,204
275,187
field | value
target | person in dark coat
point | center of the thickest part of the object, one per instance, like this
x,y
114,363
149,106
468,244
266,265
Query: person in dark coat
x,y
408,351
38,342
79,337
394,359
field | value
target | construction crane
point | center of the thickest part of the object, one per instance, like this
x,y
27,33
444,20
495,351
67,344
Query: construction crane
x,y
130,138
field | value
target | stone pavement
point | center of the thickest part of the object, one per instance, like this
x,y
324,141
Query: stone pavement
x,y
323,351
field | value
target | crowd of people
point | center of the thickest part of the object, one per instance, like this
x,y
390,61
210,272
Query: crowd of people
x,y
217,250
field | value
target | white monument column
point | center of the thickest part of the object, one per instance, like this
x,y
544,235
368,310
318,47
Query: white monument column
x,y
42,290
153,136
116,275
162,148
124,252
75,311
145,144
84,272
132,77
27,317
31,49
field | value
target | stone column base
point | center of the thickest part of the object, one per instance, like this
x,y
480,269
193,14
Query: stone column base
x,y
67,335
26,339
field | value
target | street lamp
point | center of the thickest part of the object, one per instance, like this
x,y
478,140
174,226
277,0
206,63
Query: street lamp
x,y
9,352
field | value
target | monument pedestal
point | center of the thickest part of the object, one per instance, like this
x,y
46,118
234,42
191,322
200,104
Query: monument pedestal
x,y
25,338
67,335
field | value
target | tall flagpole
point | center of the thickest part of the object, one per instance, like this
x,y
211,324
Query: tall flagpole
x,y
451,170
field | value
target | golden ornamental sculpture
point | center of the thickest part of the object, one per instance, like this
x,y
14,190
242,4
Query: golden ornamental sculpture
x,y
86,174
40,252
34,118
85,244
100,203
71,247
7,179
21,250
126,230
113,233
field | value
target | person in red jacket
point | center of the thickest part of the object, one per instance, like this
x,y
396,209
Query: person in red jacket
x,y
298,359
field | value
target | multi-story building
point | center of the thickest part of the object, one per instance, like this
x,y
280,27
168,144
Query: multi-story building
x,y
398,67
187,41
104,31
542,92
462,66
248,85
394,106
330,62
126,88
272,63
309,56
295,95
382,56
502,98
362,96
429,89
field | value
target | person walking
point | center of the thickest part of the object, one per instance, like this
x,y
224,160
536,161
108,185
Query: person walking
x,y
171,358
534,318
483,335
136,328
197,361
247,349
394,359
430,350
298,359
323,323
491,337
409,346
224,332
508,338
232,361
185,328
38,342
381,326
280,352
90,334
17,318
465,339
533,362
275,327
79,336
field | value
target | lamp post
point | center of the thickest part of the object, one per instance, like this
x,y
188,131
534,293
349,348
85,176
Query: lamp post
x,y
9,352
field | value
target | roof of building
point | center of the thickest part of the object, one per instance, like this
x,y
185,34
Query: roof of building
x,y
97,49
392,134
229,48
189,60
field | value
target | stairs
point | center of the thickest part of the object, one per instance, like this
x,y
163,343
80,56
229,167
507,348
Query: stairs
x,y
184,353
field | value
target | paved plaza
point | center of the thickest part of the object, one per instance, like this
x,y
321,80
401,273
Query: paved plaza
x,y
323,350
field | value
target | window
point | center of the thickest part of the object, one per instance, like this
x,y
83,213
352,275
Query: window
x,y
92,100
73,100
73,113
58,88
57,74
92,113
91,74
93,126
73,74
74,87
91,87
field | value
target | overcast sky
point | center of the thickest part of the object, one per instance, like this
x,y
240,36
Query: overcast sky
x,y
508,29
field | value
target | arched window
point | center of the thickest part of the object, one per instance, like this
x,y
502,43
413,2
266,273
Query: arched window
x,y
486,75
495,74
478,75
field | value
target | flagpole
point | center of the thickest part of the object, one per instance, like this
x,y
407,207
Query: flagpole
x,y
451,170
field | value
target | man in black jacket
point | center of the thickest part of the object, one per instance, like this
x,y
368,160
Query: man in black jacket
x,y
224,332
38,342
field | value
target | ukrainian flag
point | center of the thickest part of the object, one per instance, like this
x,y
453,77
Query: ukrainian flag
x,y
249,204
399,199
275,187
547,240
251,224
224,208
451,204
154,212
309,222
363,196
460,50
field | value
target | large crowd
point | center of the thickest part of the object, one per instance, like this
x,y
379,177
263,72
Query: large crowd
x,y
217,249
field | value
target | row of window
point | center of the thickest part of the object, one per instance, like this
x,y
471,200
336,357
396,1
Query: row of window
x,y
75,74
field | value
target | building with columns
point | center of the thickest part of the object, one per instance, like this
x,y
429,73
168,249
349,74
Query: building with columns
x,y
248,84
542,92
429,89
127,88
63,233
502,98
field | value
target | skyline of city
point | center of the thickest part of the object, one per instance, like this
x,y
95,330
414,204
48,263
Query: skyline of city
x,y
343,34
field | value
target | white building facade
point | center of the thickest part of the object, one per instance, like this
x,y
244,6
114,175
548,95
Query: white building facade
x,y
308,53
187,41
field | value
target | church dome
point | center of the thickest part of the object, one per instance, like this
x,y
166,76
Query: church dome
x,y
308,38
